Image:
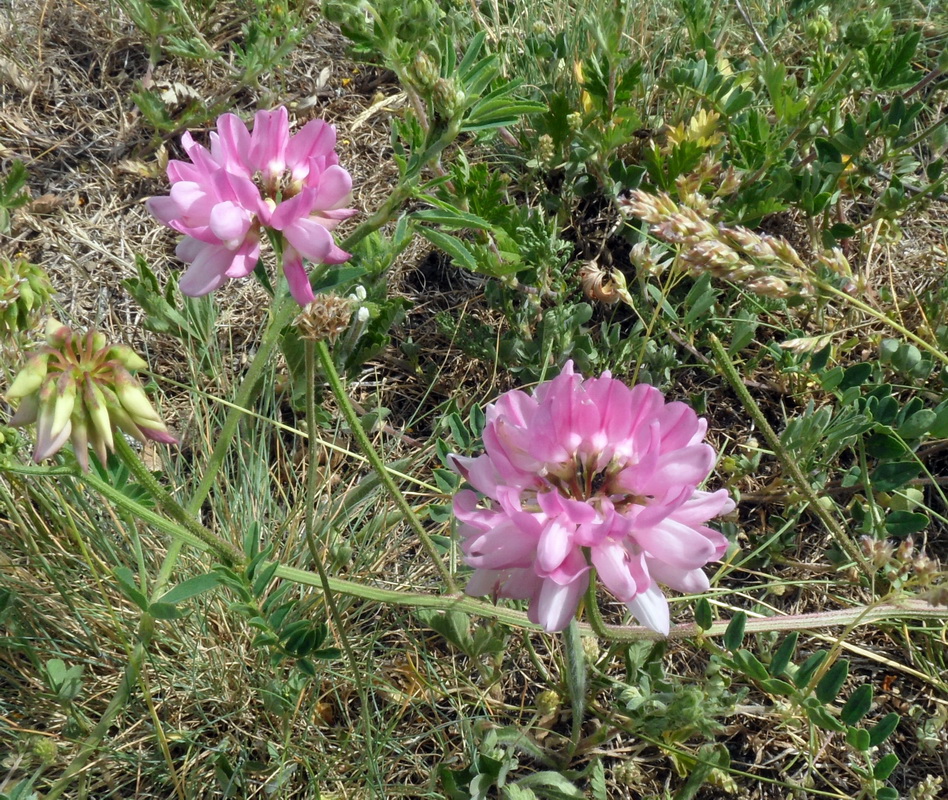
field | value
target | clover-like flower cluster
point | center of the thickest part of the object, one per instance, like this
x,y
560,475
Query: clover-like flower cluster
x,y
589,473
79,387
24,290
228,195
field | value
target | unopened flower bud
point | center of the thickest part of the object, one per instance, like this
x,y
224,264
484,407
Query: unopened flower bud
x,y
548,703
448,98
545,150
44,749
24,290
424,70
78,387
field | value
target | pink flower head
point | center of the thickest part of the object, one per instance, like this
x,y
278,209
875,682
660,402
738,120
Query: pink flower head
x,y
247,182
589,473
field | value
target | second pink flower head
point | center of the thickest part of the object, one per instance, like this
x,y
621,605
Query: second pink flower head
x,y
589,473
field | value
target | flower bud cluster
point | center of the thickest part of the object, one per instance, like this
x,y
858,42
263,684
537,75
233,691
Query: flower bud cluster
x,y
78,387
449,99
24,290
764,264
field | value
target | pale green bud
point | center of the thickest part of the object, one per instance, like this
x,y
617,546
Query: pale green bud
x,y
57,334
98,416
24,290
65,401
548,703
139,408
424,70
127,357
30,378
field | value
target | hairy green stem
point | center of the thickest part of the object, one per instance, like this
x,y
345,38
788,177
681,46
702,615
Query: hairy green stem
x,y
790,464
576,685
873,312
229,554
328,596
335,383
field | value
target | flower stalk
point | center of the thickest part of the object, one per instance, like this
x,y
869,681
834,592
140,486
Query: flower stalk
x,y
355,425
833,526
338,623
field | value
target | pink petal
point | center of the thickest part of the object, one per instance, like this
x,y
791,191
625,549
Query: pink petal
x,y
556,605
47,444
233,142
25,413
315,138
268,141
164,209
650,608
294,208
502,547
157,435
676,544
244,261
689,581
554,546
230,223
310,239
336,255
687,466
702,506
207,272
679,423
335,186
613,564
296,277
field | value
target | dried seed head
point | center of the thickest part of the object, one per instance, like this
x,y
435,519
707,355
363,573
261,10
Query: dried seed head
x,y
325,318
878,551
769,286
605,285
938,596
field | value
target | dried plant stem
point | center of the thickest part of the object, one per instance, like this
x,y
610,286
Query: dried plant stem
x,y
833,525
355,425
